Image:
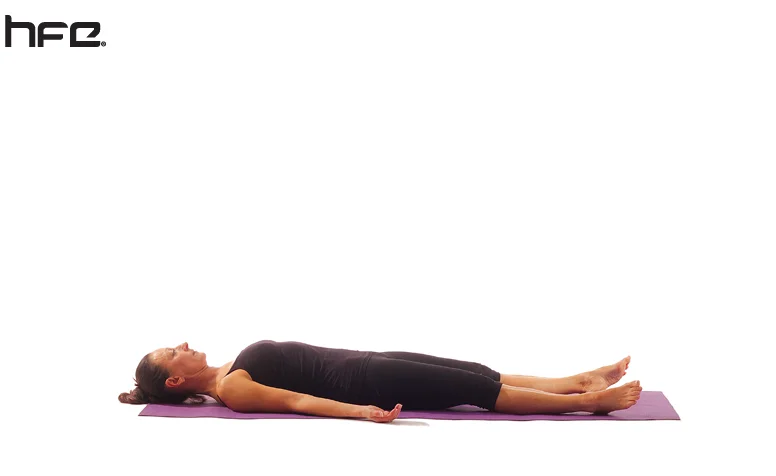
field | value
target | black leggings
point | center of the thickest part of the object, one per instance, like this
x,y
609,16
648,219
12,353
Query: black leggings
x,y
426,382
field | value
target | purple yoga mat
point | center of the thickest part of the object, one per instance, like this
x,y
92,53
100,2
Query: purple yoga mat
x,y
651,406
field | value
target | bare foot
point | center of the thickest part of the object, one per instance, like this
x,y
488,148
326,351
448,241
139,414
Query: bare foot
x,y
618,398
604,377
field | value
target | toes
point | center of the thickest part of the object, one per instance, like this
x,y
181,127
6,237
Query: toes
x,y
631,386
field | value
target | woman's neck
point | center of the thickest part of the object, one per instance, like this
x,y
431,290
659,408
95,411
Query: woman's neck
x,y
214,377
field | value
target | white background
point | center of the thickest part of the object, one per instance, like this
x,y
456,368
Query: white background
x,y
542,187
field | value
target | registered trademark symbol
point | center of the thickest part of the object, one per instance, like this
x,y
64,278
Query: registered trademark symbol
x,y
102,43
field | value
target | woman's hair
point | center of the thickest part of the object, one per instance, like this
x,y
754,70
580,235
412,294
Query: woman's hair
x,y
150,387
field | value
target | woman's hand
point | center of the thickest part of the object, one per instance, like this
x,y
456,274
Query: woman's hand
x,y
379,415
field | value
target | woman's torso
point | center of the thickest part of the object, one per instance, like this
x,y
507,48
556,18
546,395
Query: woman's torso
x,y
324,372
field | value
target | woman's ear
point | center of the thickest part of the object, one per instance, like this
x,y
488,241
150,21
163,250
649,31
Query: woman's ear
x,y
173,382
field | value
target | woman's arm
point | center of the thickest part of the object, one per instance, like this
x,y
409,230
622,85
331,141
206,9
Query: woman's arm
x,y
312,405
242,394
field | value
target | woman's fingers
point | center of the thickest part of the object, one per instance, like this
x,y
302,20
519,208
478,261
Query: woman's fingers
x,y
384,416
395,412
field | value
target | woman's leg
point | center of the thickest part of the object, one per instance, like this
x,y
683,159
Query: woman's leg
x,y
444,362
526,401
553,385
594,380
421,386
564,385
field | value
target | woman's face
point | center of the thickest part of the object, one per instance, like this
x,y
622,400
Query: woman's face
x,y
180,360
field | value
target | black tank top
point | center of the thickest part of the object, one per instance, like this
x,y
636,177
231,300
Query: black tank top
x,y
336,374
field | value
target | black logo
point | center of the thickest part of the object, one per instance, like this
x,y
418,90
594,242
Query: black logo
x,y
43,35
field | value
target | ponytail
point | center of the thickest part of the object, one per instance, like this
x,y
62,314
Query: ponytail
x,y
136,396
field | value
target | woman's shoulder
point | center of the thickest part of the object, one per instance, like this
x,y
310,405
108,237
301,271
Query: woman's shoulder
x,y
232,379
236,374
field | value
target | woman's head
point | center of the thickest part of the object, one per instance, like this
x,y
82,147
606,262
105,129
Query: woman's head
x,y
167,375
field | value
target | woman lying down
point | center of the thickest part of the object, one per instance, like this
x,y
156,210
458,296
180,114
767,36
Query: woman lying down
x,y
294,377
